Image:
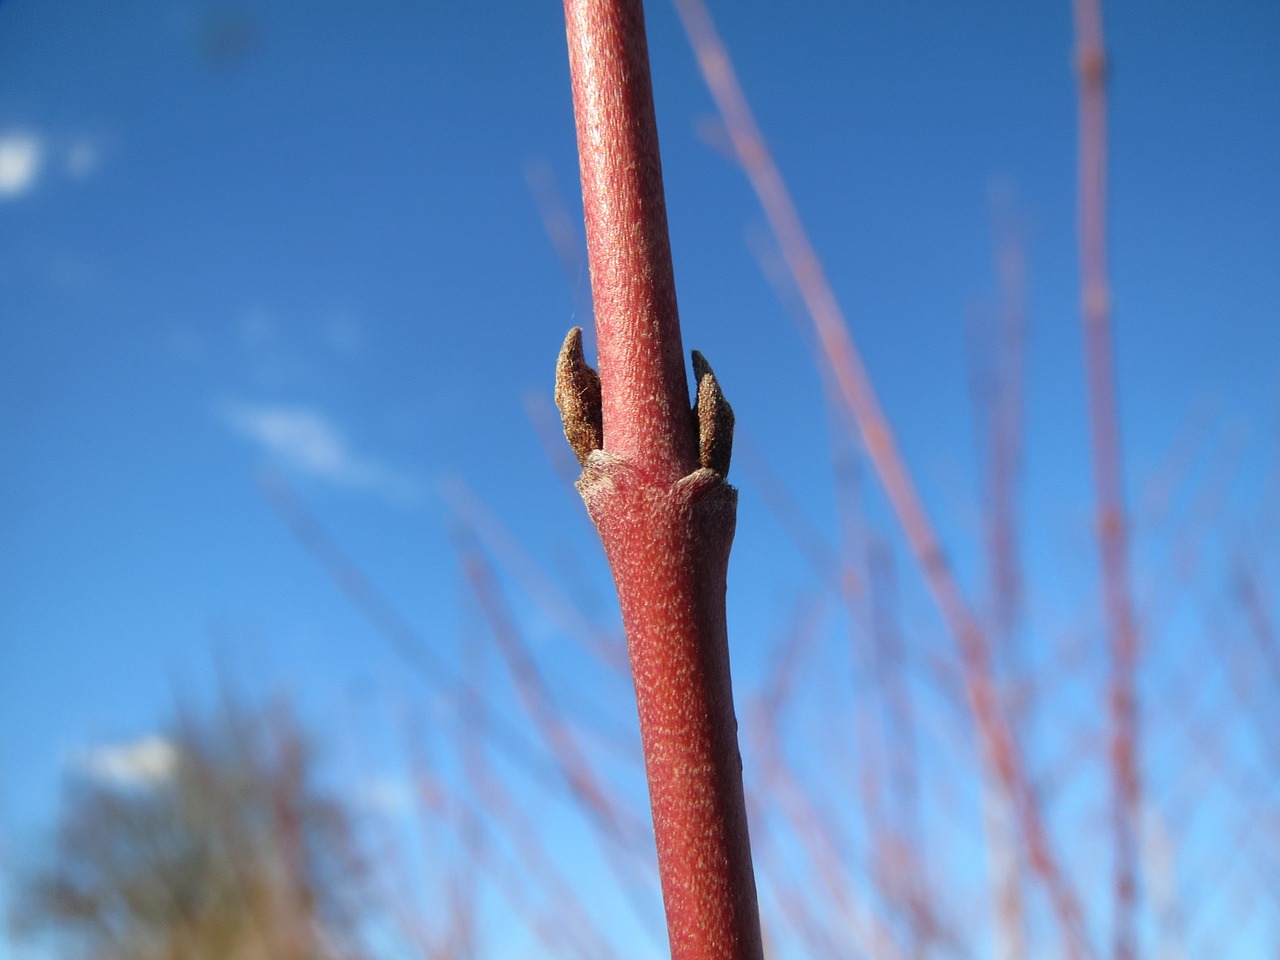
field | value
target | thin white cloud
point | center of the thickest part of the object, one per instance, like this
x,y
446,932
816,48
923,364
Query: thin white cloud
x,y
389,796
21,158
303,439
148,762
82,158
26,156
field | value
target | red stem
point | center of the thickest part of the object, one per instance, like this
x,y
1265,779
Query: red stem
x,y
841,353
1113,537
632,284
666,524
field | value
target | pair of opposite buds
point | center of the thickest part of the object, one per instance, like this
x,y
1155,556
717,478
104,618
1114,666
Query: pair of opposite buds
x,y
578,397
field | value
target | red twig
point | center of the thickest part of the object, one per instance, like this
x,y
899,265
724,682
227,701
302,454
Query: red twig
x,y
820,840
632,284
997,359
546,425
387,622
553,602
808,539
1104,427
1259,620
857,392
598,802
900,746
1005,452
538,702
653,482
563,236
502,809
473,829
807,918
851,577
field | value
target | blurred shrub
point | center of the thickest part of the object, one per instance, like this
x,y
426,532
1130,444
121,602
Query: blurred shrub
x,y
228,849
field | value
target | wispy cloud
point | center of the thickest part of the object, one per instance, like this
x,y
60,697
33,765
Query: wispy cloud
x,y
390,796
22,155
82,158
27,156
148,762
303,439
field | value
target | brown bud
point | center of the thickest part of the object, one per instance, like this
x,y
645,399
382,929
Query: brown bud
x,y
578,397
713,418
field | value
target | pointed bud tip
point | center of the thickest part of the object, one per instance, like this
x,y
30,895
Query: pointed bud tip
x,y
700,367
577,395
571,349
713,418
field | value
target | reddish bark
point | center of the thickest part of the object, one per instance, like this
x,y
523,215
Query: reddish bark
x,y
841,354
653,481
632,284
1104,428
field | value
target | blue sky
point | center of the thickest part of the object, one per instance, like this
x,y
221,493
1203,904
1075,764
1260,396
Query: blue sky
x,y
303,235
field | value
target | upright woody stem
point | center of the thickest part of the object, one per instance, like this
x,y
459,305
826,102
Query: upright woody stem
x,y
1104,426
654,483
